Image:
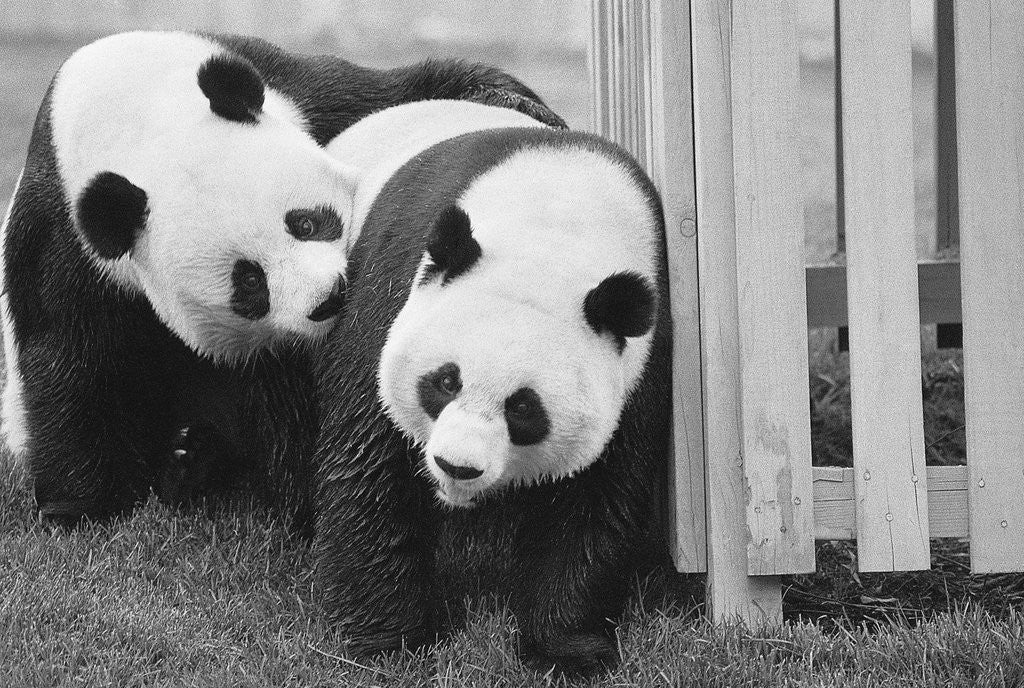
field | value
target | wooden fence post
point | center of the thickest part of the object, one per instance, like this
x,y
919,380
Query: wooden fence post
x,y
732,593
671,163
885,345
774,413
990,123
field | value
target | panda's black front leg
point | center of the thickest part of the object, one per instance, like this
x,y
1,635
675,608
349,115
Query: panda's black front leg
x,y
95,425
79,474
576,558
374,539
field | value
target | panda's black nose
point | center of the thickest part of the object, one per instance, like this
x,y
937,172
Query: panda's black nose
x,y
331,306
458,472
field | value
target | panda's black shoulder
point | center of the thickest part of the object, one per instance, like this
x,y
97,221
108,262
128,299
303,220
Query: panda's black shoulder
x,y
456,79
333,93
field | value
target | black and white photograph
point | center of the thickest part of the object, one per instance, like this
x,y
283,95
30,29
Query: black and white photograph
x,y
601,343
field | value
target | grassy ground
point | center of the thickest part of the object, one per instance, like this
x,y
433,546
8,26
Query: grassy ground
x,y
220,596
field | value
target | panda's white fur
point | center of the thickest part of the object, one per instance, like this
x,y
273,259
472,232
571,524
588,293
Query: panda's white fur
x,y
217,189
380,144
12,411
552,223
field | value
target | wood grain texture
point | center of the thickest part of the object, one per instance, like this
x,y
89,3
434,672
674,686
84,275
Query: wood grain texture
x,y
776,426
599,59
731,591
835,504
672,168
990,126
885,348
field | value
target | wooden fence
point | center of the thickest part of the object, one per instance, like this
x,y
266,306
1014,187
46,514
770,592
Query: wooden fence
x,y
705,94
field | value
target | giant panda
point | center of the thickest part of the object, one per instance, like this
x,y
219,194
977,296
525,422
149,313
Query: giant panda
x,y
500,380
173,246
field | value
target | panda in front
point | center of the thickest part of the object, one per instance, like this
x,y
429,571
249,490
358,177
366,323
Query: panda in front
x,y
500,382
173,245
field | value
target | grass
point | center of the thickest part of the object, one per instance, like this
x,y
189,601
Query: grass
x,y
219,595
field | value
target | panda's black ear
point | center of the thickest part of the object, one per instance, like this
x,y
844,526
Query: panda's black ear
x,y
111,212
622,304
451,245
233,86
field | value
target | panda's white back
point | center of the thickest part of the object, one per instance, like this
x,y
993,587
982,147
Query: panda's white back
x,y
380,144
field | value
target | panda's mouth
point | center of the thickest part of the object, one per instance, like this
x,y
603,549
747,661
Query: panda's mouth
x,y
459,501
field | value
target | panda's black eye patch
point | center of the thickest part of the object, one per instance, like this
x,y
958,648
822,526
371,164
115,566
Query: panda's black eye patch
x,y
314,224
526,418
250,297
439,387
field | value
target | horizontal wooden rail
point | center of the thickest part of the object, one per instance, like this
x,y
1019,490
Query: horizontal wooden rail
x,y
835,507
938,284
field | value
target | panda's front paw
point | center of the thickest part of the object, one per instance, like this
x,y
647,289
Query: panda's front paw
x,y
66,513
385,642
571,654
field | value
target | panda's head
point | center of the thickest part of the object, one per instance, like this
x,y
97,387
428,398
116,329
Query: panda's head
x,y
228,219
528,326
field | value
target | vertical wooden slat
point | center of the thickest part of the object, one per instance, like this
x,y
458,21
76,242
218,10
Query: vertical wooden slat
x,y
621,78
731,592
885,348
647,35
641,58
629,67
776,425
672,168
613,81
990,122
628,88
598,55
625,73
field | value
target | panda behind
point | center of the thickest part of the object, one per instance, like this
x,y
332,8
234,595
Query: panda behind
x,y
118,337
500,382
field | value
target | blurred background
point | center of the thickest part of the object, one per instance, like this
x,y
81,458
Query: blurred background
x,y
543,42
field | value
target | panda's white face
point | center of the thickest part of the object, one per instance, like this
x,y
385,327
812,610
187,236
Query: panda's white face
x,y
196,185
497,391
528,326
237,262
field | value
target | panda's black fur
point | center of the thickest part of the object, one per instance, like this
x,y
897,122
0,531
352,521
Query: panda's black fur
x,y
389,559
333,94
107,387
